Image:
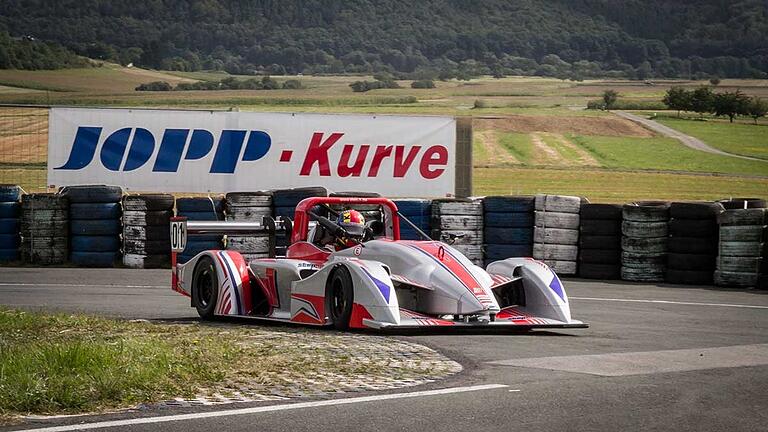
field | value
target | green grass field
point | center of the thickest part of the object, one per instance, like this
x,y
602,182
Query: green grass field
x,y
738,138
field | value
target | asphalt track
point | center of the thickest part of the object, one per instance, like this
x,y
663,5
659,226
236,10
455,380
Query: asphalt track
x,y
655,358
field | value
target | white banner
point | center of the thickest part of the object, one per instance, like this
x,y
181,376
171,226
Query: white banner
x,y
212,151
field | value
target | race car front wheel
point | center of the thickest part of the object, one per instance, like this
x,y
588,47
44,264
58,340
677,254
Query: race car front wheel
x,y
205,287
339,297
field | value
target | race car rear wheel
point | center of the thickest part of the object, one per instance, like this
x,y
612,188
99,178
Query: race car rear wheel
x,y
205,287
339,297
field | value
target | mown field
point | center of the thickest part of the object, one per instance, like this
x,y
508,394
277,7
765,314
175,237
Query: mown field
x,y
531,135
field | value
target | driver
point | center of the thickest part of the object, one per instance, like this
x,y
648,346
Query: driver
x,y
354,224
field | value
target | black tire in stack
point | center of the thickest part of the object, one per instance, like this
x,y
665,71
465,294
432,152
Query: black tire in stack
x,y
285,201
750,203
644,241
600,241
741,246
200,209
419,212
249,207
146,230
94,224
44,228
556,232
693,242
508,222
9,223
460,217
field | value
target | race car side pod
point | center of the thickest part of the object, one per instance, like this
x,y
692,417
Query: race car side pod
x,y
181,228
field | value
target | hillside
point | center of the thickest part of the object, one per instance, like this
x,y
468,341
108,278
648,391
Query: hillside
x,y
561,38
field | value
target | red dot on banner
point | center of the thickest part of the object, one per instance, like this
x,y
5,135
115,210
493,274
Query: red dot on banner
x,y
285,155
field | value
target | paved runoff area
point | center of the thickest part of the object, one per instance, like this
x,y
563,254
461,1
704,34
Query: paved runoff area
x,y
655,358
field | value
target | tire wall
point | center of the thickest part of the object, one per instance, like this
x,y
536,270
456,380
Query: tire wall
x,y
462,218
741,248
249,207
44,228
146,230
10,223
556,231
693,242
94,225
419,212
508,227
209,208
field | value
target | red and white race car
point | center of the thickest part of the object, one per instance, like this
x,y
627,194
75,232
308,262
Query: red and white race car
x,y
382,282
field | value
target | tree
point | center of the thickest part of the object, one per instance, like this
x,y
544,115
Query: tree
x,y
423,84
677,98
609,98
758,107
731,104
701,100
715,81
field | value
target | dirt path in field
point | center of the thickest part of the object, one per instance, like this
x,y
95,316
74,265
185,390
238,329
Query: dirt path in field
x,y
496,154
581,125
583,157
544,154
687,140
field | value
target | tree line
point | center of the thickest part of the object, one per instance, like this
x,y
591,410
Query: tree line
x,y
428,39
703,100
27,53
229,83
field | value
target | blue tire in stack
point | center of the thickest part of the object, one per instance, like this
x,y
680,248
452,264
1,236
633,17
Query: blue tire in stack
x,y
94,224
200,209
9,223
419,212
508,227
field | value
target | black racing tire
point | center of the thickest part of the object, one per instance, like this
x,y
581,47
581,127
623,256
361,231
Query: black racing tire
x,y
248,199
600,256
9,226
742,217
510,236
740,249
255,214
339,297
556,220
735,279
88,243
599,241
9,193
695,210
44,201
693,245
692,227
508,204
644,229
640,260
599,271
291,197
200,204
96,227
677,261
742,203
601,211
152,232
147,218
456,207
149,202
642,274
689,277
457,222
559,203
556,236
205,287
91,194
600,227
9,210
555,252
414,207
94,259
503,251
739,264
646,211
87,211
645,245
745,233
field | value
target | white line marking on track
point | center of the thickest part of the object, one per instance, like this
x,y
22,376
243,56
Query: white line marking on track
x,y
262,409
23,284
670,302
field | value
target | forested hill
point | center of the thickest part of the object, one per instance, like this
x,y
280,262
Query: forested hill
x,y
564,38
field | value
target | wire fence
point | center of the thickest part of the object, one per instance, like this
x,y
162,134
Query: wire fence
x,y
24,147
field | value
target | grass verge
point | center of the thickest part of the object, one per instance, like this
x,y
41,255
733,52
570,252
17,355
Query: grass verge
x,y
737,138
72,363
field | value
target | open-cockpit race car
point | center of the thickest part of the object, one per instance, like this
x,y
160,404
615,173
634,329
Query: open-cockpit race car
x,y
378,282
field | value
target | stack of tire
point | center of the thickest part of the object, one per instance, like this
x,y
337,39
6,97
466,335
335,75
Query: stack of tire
x,y
462,218
249,207
556,232
508,222
419,212
285,201
200,209
693,242
644,241
146,230
600,241
741,248
9,223
94,224
44,228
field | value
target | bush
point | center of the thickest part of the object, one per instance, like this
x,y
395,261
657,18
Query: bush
x,y
292,85
364,86
423,84
479,103
155,86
